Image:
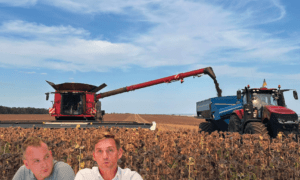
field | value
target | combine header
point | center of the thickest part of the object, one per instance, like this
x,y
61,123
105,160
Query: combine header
x,y
77,104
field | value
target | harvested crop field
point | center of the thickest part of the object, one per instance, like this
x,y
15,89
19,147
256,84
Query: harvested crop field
x,y
164,122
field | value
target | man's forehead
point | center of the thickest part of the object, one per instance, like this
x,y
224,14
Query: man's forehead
x,y
106,143
37,151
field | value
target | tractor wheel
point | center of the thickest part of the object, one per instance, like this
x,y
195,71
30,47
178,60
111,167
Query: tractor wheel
x,y
207,127
256,128
234,123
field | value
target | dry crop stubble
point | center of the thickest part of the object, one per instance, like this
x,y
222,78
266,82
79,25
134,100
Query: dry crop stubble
x,y
181,154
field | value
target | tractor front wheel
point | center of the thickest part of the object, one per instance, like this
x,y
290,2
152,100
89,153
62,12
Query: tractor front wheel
x,y
256,128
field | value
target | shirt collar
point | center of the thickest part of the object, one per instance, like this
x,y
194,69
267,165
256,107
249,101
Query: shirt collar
x,y
117,176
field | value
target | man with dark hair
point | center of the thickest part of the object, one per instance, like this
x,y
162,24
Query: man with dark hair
x,y
107,151
39,163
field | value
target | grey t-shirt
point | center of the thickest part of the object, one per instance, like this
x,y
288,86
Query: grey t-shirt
x,y
61,170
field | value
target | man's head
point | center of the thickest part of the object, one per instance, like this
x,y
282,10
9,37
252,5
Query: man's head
x,y
107,151
37,157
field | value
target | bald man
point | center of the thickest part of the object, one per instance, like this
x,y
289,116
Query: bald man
x,y
39,163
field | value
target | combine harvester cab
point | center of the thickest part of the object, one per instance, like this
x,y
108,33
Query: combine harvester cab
x,y
78,105
76,101
255,111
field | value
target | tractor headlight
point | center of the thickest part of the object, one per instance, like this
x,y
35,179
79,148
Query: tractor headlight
x,y
281,120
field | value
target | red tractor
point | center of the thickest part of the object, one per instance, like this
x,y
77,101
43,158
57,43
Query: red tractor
x,y
79,101
264,112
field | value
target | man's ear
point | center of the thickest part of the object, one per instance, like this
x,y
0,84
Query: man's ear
x,y
94,156
26,163
120,152
51,152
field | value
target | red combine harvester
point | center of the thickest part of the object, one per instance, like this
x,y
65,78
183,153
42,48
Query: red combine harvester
x,y
78,105
77,101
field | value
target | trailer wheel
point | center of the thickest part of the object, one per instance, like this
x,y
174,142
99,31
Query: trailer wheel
x,y
256,128
234,123
207,127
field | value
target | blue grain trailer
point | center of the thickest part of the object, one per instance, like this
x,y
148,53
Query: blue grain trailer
x,y
251,111
216,111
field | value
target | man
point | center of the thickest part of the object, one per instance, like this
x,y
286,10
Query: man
x,y
39,163
106,153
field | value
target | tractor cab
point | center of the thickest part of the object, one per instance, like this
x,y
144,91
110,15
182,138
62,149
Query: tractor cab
x,y
256,98
266,106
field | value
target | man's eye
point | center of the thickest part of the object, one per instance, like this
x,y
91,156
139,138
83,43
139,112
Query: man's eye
x,y
47,157
110,150
36,161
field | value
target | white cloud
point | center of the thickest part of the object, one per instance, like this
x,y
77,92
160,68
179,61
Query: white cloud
x,y
19,2
27,72
247,72
96,6
183,32
39,30
71,54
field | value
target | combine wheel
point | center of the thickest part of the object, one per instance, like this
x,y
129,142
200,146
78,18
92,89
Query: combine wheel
x,y
256,128
98,117
207,127
234,123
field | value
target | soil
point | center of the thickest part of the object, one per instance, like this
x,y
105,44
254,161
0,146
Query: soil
x,y
164,122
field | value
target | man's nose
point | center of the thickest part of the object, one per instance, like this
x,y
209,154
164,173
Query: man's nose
x,y
105,155
44,163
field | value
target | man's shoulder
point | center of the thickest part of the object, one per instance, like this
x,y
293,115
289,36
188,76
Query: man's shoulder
x,y
87,173
61,164
23,173
23,168
128,173
88,170
62,170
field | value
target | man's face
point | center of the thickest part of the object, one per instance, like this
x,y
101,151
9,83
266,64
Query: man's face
x,y
39,160
106,154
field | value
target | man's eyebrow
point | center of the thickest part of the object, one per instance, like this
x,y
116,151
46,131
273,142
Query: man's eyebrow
x,y
109,136
106,147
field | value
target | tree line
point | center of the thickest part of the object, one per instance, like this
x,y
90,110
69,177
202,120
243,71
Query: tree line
x,y
22,110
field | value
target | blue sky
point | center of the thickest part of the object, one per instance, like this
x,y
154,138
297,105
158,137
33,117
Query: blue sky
x,y
126,42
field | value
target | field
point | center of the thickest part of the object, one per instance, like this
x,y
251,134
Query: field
x,y
164,122
170,152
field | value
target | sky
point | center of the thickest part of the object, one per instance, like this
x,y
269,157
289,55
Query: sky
x,y
127,42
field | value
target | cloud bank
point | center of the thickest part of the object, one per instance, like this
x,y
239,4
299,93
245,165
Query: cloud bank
x,y
183,33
